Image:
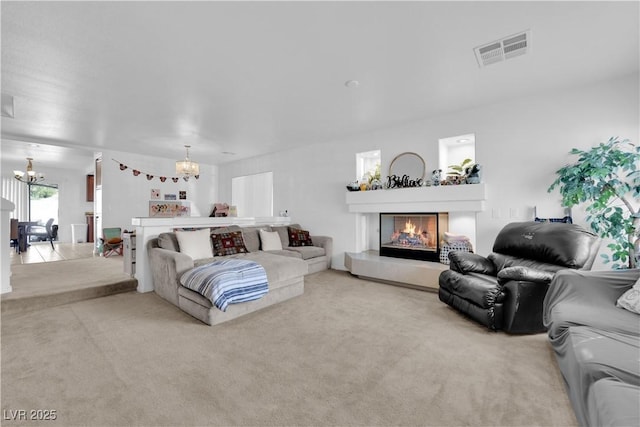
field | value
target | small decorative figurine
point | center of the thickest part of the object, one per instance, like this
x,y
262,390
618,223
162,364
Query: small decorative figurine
x,y
436,176
376,184
353,186
473,174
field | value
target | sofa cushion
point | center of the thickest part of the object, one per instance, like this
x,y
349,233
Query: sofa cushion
x,y
298,237
588,355
589,298
278,267
283,232
286,252
203,261
630,300
168,241
251,238
270,241
613,403
568,245
228,243
307,252
196,243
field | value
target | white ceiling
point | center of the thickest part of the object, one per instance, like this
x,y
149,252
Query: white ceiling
x,y
257,77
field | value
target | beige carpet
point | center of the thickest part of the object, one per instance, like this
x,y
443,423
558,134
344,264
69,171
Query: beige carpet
x,y
347,352
47,284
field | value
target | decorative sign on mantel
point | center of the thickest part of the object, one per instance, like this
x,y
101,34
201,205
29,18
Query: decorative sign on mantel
x,y
403,168
404,181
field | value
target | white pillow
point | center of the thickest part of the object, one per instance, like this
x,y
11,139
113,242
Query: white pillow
x,y
630,300
196,244
270,240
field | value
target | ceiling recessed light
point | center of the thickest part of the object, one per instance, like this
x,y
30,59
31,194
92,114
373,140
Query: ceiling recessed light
x,y
462,140
352,84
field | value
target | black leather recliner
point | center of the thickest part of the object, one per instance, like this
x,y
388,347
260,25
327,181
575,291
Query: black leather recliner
x,y
506,290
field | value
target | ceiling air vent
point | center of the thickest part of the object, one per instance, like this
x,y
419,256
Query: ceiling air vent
x,y
506,48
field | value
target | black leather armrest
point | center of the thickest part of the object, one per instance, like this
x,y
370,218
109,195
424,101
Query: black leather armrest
x,y
467,262
527,274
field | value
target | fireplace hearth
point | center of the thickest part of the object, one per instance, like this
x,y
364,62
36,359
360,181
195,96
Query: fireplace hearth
x,y
412,235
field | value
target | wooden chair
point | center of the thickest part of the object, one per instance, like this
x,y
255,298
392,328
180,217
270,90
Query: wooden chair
x,y
14,235
112,241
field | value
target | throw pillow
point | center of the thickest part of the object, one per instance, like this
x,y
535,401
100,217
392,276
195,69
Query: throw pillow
x,y
299,237
270,241
630,300
196,244
114,240
228,243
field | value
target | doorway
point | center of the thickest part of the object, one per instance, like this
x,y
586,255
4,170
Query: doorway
x,y
43,203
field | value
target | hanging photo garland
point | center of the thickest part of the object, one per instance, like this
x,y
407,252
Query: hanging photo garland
x,y
150,177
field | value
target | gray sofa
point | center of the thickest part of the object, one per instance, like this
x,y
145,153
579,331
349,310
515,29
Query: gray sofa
x,y
597,344
285,270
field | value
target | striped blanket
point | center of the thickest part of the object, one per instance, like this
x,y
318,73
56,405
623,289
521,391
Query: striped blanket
x,y
227,281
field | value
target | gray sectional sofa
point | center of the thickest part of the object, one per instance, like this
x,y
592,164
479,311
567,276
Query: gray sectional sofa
x,y
597,344
285,270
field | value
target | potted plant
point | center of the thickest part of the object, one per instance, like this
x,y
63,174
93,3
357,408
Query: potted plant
x,y
457,174
607,177
373,178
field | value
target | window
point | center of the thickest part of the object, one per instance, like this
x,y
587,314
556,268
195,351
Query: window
x,y
368,165
43,202
253,194
454,150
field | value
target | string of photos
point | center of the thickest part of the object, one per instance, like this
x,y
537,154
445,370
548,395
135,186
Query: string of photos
x,y
137,172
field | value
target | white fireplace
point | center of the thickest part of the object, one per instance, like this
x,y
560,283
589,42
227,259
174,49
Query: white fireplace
x,y
460,202
412,235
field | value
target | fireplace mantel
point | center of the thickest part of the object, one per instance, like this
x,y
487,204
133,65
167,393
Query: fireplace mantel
x,y
444,198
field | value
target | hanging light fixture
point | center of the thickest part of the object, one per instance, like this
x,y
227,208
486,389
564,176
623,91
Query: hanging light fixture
x,y
186,167
31,176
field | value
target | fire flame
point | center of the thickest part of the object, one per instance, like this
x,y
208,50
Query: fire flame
x,y
409,228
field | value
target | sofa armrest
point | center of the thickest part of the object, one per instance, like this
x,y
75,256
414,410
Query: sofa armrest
x,y
588,298
468,262
166,268
526,274
326,243
522,307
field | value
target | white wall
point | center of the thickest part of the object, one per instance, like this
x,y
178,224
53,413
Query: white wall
x,y
519,143
72,203
125,196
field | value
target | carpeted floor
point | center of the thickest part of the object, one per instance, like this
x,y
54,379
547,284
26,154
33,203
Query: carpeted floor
x,y
47,284
347,352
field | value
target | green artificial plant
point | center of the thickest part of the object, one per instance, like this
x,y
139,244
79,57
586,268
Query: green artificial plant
x,y
373,175
460,171
607,177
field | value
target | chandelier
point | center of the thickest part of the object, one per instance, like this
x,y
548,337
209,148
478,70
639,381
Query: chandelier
x,y
186,167
31,176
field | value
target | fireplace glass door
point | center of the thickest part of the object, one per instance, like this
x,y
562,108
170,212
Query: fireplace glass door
x,y
412,235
